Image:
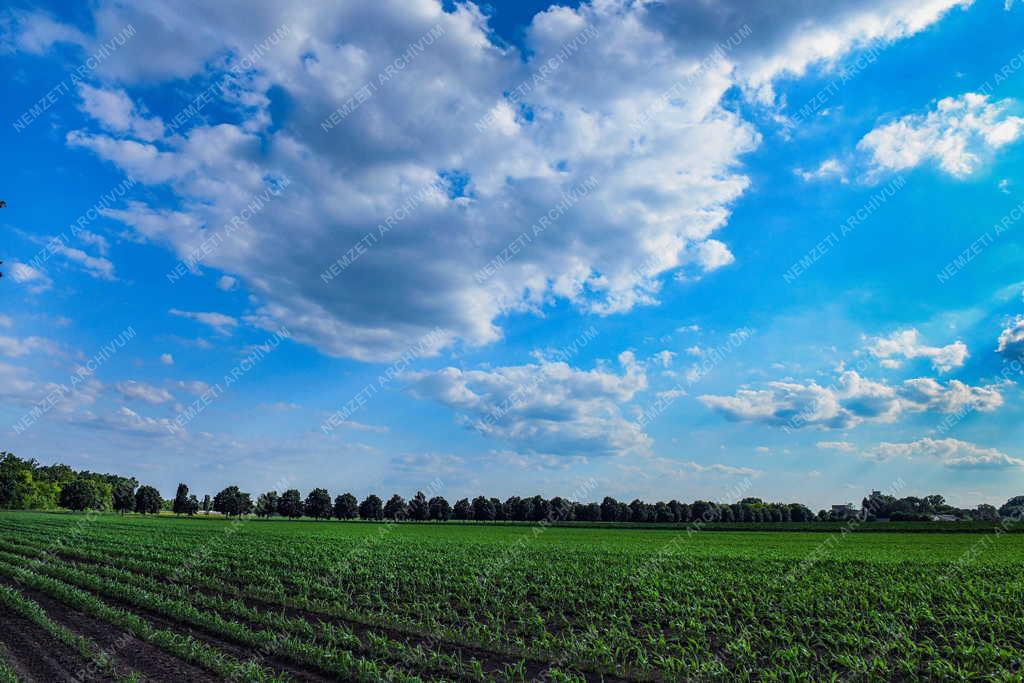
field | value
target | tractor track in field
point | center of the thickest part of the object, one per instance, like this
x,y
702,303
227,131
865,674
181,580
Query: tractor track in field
x,y
491,661
122,646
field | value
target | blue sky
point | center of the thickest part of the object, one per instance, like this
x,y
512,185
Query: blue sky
x,y
640,249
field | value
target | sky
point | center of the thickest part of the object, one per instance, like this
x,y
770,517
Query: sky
x,y
630,248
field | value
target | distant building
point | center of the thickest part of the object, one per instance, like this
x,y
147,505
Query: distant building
x,y
945,518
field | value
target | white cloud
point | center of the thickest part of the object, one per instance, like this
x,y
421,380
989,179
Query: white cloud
x,y
851,401
126,421
958,135
547,408
14,347
5,321
143,392
664,358
195,387
221,323
844,446
36,32
282,406
116,112
907,343
359,426
950,452
1011,339
96,266
36,280
226,283
830,168
664,187
688,328
661,468
1004,186
98,241
166,359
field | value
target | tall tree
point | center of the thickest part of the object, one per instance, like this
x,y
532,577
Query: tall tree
x,y
148,501
124,496
290,504
346,507
395,508
439,509
232,502
266,504
371,508
419,508
191,505
78,495
318,504
207,503
462,509
181,500
483,509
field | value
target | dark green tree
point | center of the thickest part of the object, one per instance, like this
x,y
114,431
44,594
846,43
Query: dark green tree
x,y
266,504
78,495
483,509
439,509
290,504
124,496
180,506
371,508
419,507
232,503
462,510
148,501
346,507
396,508
318,504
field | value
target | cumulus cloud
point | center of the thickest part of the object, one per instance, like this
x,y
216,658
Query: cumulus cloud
x,y
665,152
226,283
950,452
194,387
957,135
14,347
126,421
908,344
844,446
96,266
662,468
547,408
1011,339
143,392
33,278
830,168
221,323
36,32
166,359
850,401
116,112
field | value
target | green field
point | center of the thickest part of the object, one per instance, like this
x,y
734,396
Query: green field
x,y
208,599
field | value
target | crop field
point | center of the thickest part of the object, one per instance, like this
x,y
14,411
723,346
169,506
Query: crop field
x,y
203,599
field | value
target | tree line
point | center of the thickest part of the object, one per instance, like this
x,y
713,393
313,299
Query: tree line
x,y
25,484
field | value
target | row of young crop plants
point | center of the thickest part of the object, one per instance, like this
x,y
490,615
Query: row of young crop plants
x,y
332,648
616,613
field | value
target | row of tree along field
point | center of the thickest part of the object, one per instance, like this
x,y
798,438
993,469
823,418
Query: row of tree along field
x,y
24,484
